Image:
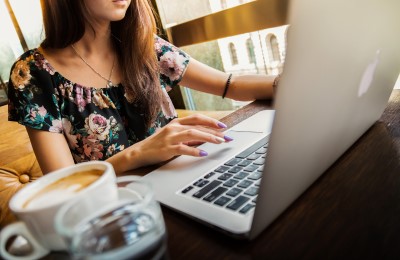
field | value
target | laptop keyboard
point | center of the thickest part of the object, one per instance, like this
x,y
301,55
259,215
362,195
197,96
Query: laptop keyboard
x,y
233,185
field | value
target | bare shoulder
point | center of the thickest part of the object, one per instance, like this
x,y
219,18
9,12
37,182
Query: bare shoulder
x,y
63,61
58,58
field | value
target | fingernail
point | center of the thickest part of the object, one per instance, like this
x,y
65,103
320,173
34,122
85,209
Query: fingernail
x,y
222,125
227,138
203,153
220,139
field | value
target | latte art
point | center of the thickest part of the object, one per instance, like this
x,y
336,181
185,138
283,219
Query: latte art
x,y
62,189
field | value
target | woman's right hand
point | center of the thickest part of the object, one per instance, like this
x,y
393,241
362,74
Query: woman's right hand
x,y
176,138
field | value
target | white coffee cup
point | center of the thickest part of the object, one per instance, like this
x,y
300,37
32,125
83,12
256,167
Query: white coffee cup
x,y
130,228
36,215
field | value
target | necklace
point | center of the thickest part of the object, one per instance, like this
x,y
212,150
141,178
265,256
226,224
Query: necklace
x,y
108,80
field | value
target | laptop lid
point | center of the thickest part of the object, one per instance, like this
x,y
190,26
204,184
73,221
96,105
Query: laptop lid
x,y
343,59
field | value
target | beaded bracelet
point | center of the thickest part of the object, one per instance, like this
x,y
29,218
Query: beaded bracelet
x,y
228,82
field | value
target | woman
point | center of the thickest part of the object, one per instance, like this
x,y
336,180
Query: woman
x,y
95,90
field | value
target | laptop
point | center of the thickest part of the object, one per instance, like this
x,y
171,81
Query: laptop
x,y
342,62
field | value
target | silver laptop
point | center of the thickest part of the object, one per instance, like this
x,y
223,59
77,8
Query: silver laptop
x,y
342,61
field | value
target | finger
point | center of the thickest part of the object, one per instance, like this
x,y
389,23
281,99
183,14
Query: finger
x,y
207,130
199,119
179,127
202,129
195,135
193,143
182,149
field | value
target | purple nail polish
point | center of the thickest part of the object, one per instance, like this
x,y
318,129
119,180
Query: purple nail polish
x,y
203,153
227,138
222,125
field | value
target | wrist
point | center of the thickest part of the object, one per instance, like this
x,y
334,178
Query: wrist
x,y
124,161
227,83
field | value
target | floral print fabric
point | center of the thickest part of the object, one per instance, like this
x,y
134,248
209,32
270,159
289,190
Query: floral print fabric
x,y
97,123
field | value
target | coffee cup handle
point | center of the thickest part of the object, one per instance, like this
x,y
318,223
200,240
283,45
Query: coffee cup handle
x,y
15,229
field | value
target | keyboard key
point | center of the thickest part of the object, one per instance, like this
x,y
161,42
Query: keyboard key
x,y
215,194
244,163
259,161
255,176
203,183
224,176
262,150
235,169
212,185
254,156
230,183
237,202
251,168
234,192
245,184
222,169
246,208
251,191
200,183
233,162
185,190
197,182
241,175
222,201
208,175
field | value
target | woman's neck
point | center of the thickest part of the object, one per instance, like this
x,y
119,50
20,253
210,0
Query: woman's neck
x,y
96,40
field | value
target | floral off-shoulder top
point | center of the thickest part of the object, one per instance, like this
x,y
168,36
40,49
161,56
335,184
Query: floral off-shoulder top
x,y
97,123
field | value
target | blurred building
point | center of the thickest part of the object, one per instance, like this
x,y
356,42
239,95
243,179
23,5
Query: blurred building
x,y
261,52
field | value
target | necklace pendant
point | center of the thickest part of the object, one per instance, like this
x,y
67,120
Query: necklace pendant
x,y
109,84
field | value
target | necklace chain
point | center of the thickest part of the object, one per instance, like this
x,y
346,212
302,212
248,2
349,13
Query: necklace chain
x,y
108,80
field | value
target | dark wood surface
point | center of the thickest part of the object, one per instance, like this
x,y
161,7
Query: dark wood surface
x,y
351,212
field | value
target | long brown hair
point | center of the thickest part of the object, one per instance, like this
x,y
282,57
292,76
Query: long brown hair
x,y
133,38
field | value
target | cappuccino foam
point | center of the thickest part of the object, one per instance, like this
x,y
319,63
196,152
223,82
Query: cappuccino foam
x,y
62,189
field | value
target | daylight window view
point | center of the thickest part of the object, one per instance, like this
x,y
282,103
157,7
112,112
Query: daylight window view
x,y
259,52
17,37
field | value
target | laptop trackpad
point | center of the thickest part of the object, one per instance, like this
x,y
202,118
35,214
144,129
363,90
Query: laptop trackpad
x,y
217,154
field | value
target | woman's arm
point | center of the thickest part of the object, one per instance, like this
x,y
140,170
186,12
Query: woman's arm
x,y
201,77
51,150
53,153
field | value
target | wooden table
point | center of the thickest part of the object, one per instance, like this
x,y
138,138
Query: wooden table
x,y
351,212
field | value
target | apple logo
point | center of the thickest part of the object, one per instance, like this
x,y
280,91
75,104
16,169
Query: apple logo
x,y
368,75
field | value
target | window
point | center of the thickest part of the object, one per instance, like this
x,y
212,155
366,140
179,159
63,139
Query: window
x,y
213,32
29,16
232,52
10,46
273,48
250,51
223,4
21,29
174,12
